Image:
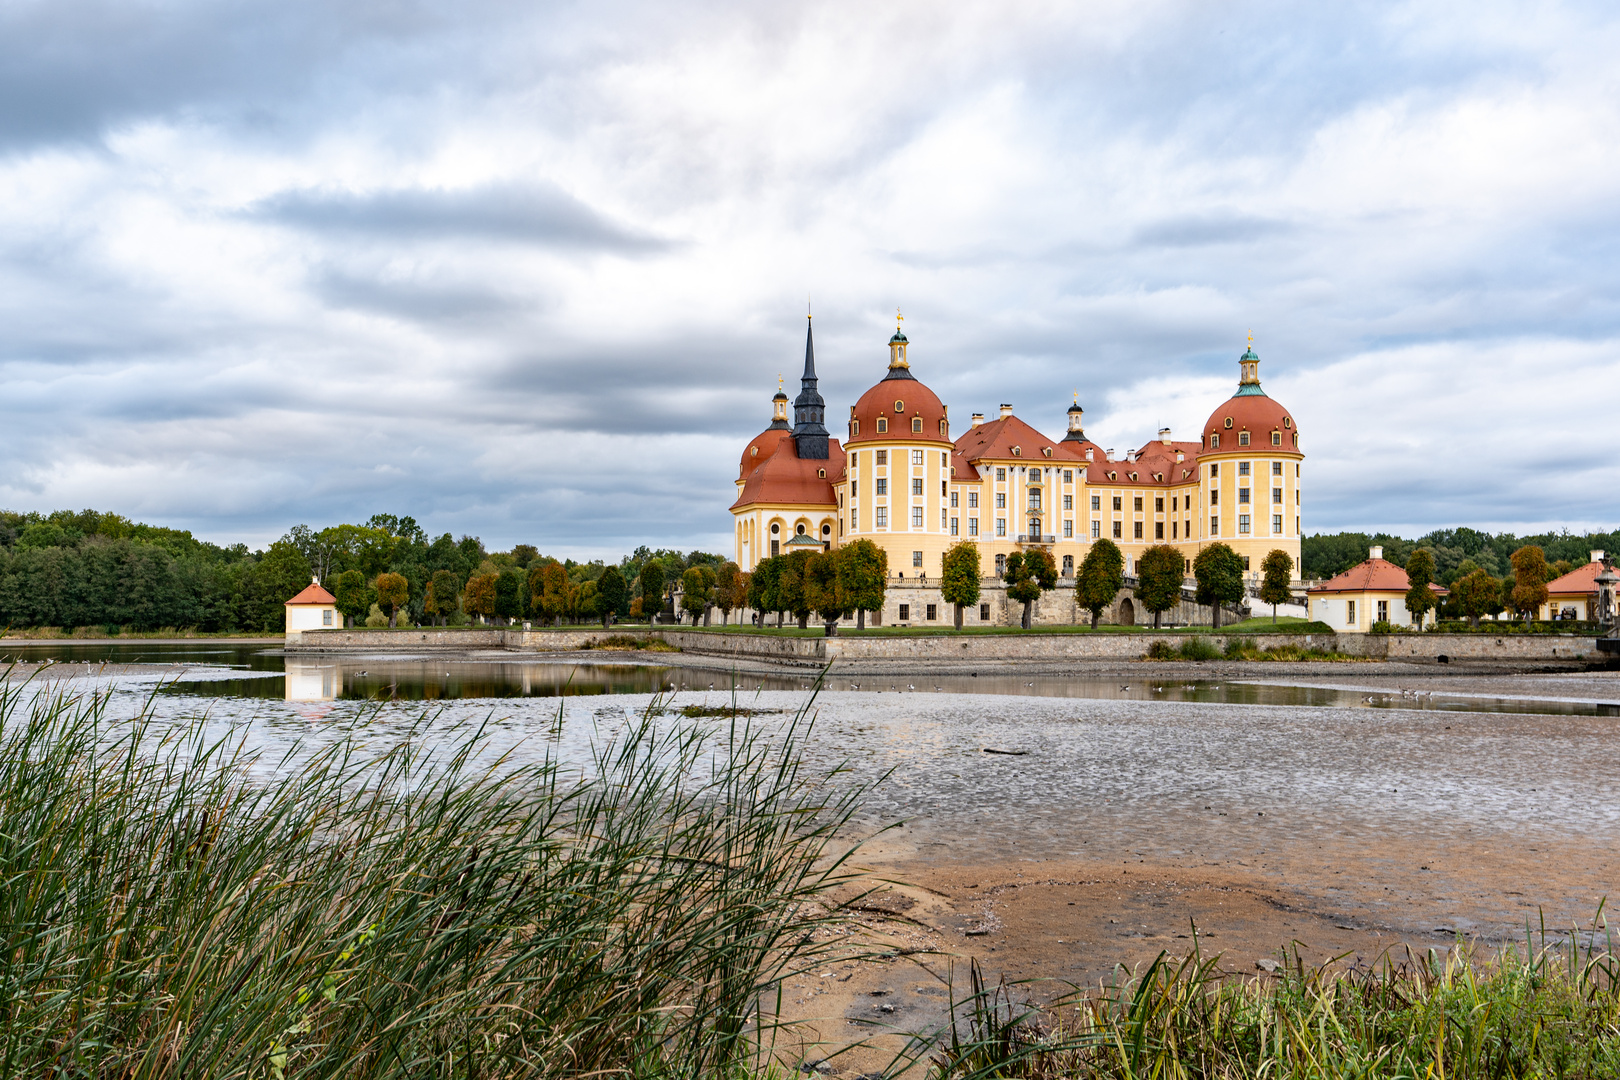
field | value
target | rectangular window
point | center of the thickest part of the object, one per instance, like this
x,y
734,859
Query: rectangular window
x,y
1136,504
1001,500
933,612
1245,562
1243,438
1068,476
1243,523
1243,468
944,457
1158,504
905,612
916,457
1243,495
1001,474
1276,468
1034,498
1118,530
1349,613
1214,496
883,485
942,513
916,558
326,618
1296,525
854,460
1001,565
1118,502
1214,441
882,521
1068,502
1158,530
1096,502
854,518
953,526
1296,469
1068,529
840,500
984,612
1383,611
1174,530
1214,470
776,547
882,457
942,489
1276,438
1137,534
973,500
973,526
1214,525
1276,524
1001,526
916,517
916,485
953,500
1096,529
1187,501
854,489
1276,495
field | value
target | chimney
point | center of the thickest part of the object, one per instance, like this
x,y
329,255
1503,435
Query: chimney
x,y
978,418
1110,453
1130,455
1597,556
1088,456
1375,553
1164,435
1180,456
1006,410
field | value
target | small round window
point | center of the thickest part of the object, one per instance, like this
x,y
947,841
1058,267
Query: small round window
x,y
899,406
1288,422
775,528
800,529
1228,422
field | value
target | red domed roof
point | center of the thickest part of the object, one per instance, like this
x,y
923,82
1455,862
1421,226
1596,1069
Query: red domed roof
x,y
785,479
899,400
1257,414
760,448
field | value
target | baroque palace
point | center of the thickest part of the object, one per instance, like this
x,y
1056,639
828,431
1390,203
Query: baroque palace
x,y
902,479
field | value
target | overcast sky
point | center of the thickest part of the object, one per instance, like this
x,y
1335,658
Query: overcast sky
x,y
530,270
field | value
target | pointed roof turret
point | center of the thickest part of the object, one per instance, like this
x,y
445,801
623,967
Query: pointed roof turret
x,y
809,410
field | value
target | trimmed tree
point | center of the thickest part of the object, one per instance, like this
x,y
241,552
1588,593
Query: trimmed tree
x,y
764,589
1529,580
824,596
1102,575
1028,575
1420,599
959,584
1159,573
1276,571
652,589
393,593
792,592
507,586
695,587
354,596
479,597
611,592
1219,572
446,588
1475,593
863,575
726,594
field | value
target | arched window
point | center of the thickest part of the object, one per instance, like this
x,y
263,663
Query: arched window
x,y
916,424
854,427
883,425
1276,438
942,427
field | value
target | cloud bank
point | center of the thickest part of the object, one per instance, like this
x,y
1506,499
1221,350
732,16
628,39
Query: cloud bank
x,y
531,271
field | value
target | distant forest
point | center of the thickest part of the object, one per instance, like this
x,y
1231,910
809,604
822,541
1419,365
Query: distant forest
x,y
1324,555
93,569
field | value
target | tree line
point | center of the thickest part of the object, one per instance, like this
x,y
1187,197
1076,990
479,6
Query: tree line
x,y
1325,555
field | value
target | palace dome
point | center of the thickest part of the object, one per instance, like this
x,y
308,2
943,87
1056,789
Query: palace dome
x,y
761,448
1249,410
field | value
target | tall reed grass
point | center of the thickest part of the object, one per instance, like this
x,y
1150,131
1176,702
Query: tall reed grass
x,y
1551,1012
400,913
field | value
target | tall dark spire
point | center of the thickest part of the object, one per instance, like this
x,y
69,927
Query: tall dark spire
x,y
809,411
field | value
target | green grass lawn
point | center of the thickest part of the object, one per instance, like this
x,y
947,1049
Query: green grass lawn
x,y
1248,626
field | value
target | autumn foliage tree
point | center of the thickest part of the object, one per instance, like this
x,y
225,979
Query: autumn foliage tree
x,y
393,593
1475,593
479,596
1529,580
863,572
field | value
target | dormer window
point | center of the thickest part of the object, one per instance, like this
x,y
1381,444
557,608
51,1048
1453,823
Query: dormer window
x,y
753,451
883,425
854,427
1288,421
1133,478
822,473
1047,450
942,427
1018,451
1243,438
1228,423
1276,438
900,406
1214,440
916,424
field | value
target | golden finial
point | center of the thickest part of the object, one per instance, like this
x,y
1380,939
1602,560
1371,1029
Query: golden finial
x,y
1077,395
778,382
898,318
1251,340
807,306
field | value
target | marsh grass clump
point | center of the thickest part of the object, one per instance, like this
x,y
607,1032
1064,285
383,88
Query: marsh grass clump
x,y
630,643
1542,1013
1196,648
393,913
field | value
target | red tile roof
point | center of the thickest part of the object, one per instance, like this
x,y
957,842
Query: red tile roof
x,y
314,595
1580,581
1374,575
1257,414
914,400
997,438
783,479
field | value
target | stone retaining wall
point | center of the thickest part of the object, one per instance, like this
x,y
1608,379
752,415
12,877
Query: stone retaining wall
x,y
973,647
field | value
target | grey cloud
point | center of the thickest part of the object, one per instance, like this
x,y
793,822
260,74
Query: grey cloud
x,y
418,301
1201,230
532,213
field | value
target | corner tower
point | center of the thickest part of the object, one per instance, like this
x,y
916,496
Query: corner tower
x,y
809,410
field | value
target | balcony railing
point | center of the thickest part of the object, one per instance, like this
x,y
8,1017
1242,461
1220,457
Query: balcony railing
x,y
1036,538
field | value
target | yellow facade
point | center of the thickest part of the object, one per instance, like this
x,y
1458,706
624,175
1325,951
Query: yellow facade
x,y
900,488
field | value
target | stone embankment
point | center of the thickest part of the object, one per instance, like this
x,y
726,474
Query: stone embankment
x,y
988,648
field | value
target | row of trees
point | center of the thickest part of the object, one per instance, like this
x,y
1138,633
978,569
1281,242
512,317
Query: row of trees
x,y
1324,555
